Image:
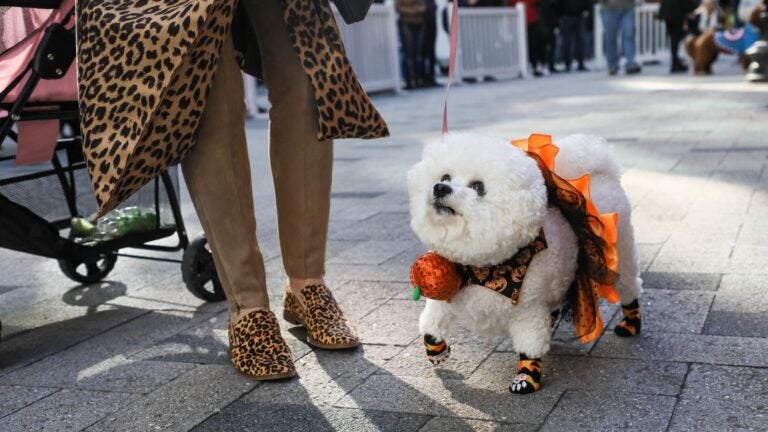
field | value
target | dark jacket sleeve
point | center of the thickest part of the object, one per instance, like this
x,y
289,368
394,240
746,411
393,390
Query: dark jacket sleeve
x,y
246,45
676,10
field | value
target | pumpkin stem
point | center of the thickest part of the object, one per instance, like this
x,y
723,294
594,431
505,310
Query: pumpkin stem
x,y
416,293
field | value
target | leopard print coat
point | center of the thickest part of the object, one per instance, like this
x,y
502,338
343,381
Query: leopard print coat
x,y
345,110
145,69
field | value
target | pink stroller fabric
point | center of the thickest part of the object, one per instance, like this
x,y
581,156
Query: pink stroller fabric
x,y
16,24
21,30
29,26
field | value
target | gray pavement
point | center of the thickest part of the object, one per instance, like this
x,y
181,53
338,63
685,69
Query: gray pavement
x,y
138,352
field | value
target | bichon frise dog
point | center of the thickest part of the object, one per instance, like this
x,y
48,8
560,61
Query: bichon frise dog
x,y
477,201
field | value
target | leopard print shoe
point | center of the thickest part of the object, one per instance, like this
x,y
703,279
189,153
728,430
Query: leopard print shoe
x,y
257,349
325,322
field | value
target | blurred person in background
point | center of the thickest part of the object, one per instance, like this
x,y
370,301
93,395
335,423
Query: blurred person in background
x,y
549,20
619,18
411,24
747,11
428,57
572,27
675,13
536,52
699,44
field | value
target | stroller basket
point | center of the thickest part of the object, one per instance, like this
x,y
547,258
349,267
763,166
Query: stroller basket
x,y
38,202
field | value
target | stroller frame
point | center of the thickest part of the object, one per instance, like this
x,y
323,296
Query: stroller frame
x,y
33,234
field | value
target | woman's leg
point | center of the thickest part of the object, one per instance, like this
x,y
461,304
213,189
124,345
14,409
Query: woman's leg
x,y
218,175
301,168
301,163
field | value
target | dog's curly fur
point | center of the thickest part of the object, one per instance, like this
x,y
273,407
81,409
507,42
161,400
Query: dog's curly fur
x,y
486,224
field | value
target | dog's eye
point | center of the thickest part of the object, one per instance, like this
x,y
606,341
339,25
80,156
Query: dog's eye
x,y
445,178
478,186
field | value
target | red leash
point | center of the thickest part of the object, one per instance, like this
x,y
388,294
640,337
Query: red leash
x,y
451,60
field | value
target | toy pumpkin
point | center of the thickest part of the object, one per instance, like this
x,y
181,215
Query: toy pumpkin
x,y
435,277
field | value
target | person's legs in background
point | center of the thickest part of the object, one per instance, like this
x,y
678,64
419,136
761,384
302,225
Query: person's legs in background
x,y
530,30
627,25
428,57
611,21
418,52
550,48
533,48
676,34
579,42
568,35
410,37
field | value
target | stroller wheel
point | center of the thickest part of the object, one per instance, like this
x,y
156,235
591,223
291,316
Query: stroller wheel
x,y
199,272
88,271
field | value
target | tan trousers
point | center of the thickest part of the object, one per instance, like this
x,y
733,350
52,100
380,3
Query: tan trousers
x,y
218,173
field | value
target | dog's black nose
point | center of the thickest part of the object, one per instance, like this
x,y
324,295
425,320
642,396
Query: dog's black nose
x,y
441,190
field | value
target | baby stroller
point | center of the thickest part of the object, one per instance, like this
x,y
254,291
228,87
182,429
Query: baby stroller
x,y
45,192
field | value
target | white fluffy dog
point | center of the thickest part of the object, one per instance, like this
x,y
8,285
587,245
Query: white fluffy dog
x,y
477,200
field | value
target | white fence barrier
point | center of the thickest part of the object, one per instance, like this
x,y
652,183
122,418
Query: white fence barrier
x,y
650,34
372,48
651,42
492,42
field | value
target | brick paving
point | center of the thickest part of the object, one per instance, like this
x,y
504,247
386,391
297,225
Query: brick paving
x,y
138,352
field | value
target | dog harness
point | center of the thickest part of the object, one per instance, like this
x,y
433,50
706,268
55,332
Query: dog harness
x,y
505,278
437,278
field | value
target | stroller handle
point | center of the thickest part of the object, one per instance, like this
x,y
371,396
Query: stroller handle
x,y
36,4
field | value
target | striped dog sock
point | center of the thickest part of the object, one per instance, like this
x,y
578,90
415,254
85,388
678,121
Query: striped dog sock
x,y
437,352
630,324
528,378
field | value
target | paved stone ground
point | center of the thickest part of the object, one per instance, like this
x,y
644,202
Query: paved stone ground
x,y
137,352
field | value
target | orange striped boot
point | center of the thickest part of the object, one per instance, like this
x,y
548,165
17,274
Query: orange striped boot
x,y
437,352
528,378
630,324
